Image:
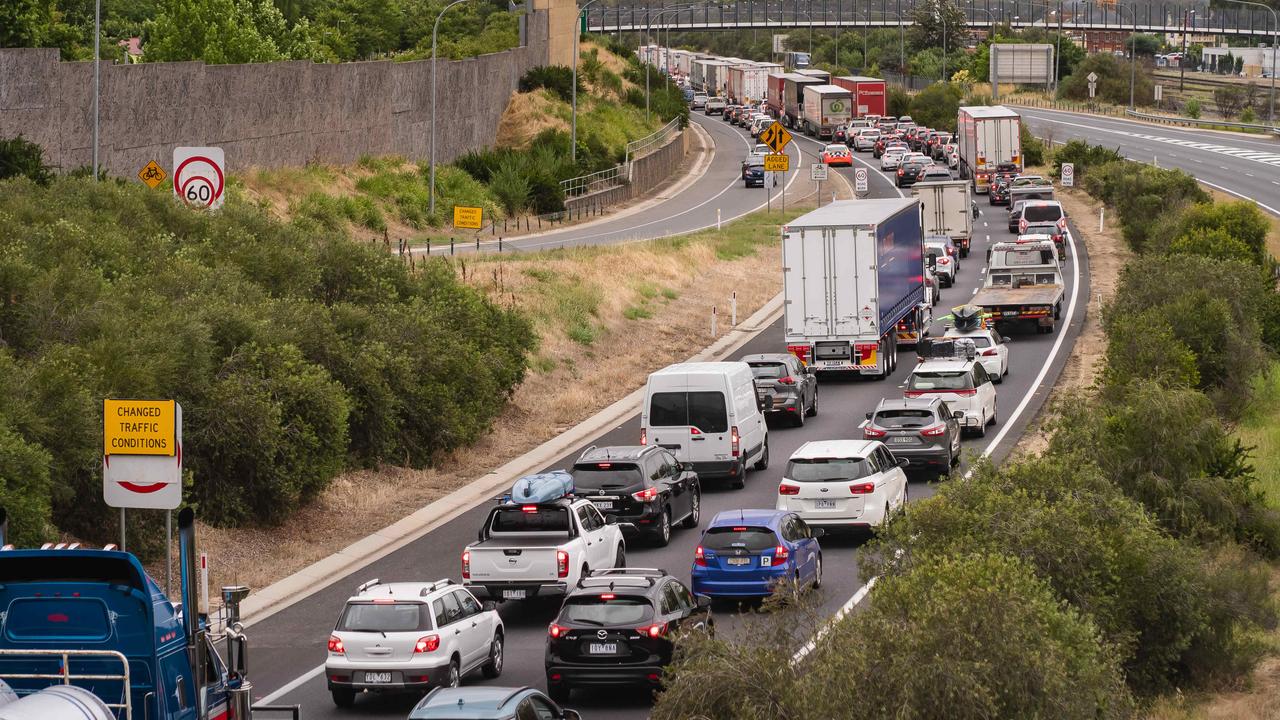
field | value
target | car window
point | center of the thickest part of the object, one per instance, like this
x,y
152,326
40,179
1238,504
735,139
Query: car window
x,y
979,341
827,469
926,380
886,459
1037,213
542,709
517,519
525,711
903,418
606,609
802,529
467,603
703,410
669,602
748,538
452,611
768,370
682,592
384,617
597,520
585,518
980,376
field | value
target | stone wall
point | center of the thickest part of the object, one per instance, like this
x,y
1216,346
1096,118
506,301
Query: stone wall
x,y
267,114
647,173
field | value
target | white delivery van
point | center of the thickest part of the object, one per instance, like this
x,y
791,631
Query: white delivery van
x,y
707,414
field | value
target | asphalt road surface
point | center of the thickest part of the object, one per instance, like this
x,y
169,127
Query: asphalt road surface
x,y
289,646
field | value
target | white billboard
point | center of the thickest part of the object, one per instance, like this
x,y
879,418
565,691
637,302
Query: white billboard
x,y
1022,64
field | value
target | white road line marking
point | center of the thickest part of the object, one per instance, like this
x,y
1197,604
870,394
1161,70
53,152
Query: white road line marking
x,y
975,291
844,610
1268,208
292,685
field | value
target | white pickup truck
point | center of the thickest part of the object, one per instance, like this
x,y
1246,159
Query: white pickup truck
x,y
543,549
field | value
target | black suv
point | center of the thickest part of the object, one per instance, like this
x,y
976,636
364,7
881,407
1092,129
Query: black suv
x,y
616,628
640,484
923,431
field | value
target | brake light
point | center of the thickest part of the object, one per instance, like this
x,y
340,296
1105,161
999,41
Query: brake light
x,y
1022,225
780,555
1062,223
529,508
934,431
788,490
694,431
646,495
335,645
644,436
700,557
562,563
870,432
653,631
466,564
989,352
607,596
735,442
427,644
866,350
557,631
787,380
900,171
862,488
963,393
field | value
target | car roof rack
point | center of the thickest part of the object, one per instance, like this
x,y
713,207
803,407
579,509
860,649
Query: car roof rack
x,y
620,581
633,571
437,585
366,585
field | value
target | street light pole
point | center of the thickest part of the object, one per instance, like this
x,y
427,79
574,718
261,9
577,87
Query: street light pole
x,y
435,30
1275,49
943,18
577,36
1182,61
97,78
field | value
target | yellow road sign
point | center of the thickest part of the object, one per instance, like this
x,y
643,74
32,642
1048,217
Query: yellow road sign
x,y
777,163
775,136
138,427
471,218
152,175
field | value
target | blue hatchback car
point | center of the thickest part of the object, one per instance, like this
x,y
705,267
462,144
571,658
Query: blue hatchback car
x,y
746,553
485,702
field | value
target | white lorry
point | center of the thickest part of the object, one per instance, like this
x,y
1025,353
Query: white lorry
x,y
946,211
825,107
526,550
853,275
988,137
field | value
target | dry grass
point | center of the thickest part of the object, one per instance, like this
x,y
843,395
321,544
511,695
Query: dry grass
x,y
1107,256
526,115
675,282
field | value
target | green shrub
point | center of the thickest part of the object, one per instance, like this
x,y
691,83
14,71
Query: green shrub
x,y
1084,156
1140,194
1239,221
22,158
1032,147
898,102
1145,346
1192,109
1217,244
511,187
1113,81
936,106
556,78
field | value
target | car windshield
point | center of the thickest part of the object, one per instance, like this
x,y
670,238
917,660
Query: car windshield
x,y
517,519
1034,213
939,380
768,370
384,617
823,469
836,149
1041,229
703,410
605,475
606,610
904,418
748,538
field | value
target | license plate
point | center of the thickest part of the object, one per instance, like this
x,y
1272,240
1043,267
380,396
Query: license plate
x,y
378,677
900,440
739,561
833,362
603,648
513,594
824,504
602,504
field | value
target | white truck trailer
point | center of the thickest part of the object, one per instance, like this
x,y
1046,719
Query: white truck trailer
x,y
988,138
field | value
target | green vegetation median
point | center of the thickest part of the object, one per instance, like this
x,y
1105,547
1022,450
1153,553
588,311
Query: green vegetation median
x,y
1130,559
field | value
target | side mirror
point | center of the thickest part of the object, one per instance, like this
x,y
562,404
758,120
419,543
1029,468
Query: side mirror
x,y
817,532
958,415
686,466
570,715
868,416
704,601
611,519
488,605
903,463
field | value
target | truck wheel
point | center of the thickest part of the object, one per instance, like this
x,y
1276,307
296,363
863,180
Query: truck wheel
x,y
343,698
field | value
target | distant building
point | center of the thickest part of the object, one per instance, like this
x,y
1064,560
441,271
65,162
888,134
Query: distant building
x,y
132,49
1257,60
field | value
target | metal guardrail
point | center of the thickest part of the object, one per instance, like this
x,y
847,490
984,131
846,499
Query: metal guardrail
x,y
641,147
595,182
1081,107
1193,122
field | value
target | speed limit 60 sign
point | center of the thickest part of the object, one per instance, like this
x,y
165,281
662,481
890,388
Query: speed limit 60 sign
x,y
199,176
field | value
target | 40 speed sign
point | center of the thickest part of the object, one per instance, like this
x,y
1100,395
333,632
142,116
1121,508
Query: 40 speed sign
x,y
199,176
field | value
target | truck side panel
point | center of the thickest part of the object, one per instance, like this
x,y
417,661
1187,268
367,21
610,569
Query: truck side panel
x,y
823,289
900,272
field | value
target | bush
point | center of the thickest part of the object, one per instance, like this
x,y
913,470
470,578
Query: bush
x,y
1141,193
511,186
1192,109
1217,244
898,102
22,158
1144,346
1032,147
1240,221
1084,156
556,78
1113,81
936,106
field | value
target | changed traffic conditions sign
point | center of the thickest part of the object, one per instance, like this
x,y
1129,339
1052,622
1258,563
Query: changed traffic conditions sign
x,y
777,163
199,176
471,218
142,454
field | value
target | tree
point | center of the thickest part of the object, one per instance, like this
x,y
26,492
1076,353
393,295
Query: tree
x,y
23,23
1230,99
1113,81
1226,63
23,158
1143,44
936,106
225,31
1239,68
938,24
926,63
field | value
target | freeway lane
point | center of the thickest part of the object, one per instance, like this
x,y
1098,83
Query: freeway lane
x,y
289,646
1245,165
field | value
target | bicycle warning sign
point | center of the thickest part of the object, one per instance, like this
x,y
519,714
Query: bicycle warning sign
x,y
199,176
152,175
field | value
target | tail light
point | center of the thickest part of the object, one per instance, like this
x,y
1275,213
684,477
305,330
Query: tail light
x,y
869,432
562,563
787,380
556,631
862,488
653,631
866,350
646,495
934,431
901,171
429,643
694,431
788,490
989,352
735,442
1022,225
964,393
466,564
1062,223
700,557
644,436
800,351
335,645
780,556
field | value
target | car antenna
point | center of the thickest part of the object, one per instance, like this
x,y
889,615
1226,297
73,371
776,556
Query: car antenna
x,y
742,517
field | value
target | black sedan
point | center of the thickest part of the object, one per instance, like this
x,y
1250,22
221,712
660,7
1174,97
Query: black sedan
x,y
753,171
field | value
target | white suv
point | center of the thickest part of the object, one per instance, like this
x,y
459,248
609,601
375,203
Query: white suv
x,y
843,483
411,636
963,384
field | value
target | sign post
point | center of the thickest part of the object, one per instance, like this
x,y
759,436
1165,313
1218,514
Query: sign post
x,y
141,456
860,182
199,176
1068,174
818,173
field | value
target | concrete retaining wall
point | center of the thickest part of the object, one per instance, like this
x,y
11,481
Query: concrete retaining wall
x,y
647,173
267,114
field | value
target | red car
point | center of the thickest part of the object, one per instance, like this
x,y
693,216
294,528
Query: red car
x,y
837,155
